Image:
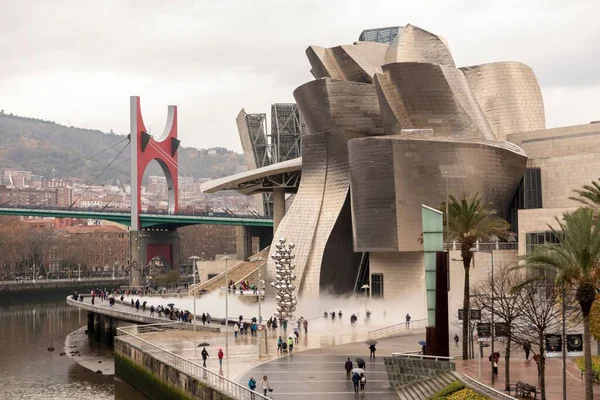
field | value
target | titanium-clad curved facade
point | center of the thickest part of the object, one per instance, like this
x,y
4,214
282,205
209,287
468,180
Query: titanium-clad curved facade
x,y
509,95
386,122
430,96
387,195
319,220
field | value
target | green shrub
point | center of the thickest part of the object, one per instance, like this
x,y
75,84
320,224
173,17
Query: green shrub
x,y
448,390
595,363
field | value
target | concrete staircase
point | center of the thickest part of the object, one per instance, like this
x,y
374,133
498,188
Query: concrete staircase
x,y
235,273
421,390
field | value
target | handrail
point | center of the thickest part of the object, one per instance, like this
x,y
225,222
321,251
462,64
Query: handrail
x,y
414,354
484,387
397,328
190,368
44,280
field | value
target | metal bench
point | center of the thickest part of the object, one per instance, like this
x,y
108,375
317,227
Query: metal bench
x,y
524,390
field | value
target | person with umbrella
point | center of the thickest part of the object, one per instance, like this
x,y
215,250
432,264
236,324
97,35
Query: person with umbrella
x,y
356,379
423,346
204,356
361,363
348,367
296,334
372,349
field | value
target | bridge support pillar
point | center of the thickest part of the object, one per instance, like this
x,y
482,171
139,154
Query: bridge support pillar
x,y
144,245
90,323
278,207
97,327
244,236
109,324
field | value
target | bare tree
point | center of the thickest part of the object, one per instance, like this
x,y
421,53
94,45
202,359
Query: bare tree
x,y
508,304
540,313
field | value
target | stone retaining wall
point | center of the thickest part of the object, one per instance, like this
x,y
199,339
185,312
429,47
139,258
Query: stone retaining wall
x,y
403,370
157,380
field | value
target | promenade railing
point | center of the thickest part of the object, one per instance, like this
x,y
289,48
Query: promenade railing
x,y
398,329
188,367
82,280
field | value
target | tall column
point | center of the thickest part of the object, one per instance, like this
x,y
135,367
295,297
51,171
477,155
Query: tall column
x,y
278,207
97,327
90,323
243,244
108,329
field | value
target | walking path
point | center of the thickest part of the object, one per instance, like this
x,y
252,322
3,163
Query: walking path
x,y
522,370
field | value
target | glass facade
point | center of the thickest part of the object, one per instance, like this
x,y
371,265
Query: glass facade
x,y
380,35
536,239
527,196
377,285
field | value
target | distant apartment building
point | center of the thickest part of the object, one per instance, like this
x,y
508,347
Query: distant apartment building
x,y
35,197
95,247
14,178
55,183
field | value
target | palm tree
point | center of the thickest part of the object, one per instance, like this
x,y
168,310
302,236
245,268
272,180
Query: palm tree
x,y
589,195
470,221
576,258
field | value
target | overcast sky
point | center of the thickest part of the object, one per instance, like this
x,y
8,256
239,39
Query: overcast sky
x,y
78,61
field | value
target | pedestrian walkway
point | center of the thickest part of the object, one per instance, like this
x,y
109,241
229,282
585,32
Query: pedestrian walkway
x,y
320,376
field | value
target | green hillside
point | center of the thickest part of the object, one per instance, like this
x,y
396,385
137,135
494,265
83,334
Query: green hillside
x,y
52,150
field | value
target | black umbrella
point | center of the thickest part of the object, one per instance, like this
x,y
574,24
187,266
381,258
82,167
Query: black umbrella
x,y
371,342
203,344
360,360
171,305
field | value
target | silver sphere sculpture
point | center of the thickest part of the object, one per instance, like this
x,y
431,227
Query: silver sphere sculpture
x,y
286,299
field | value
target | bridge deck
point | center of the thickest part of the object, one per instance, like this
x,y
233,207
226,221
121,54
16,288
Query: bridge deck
x,y
147,220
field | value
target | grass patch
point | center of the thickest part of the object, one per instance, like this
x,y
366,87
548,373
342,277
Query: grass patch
x,y
448,390
579,361
466,394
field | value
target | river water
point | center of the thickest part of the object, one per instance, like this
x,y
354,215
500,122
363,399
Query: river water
x,y
28,327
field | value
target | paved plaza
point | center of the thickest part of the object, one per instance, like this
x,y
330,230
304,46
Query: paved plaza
x,y
316,366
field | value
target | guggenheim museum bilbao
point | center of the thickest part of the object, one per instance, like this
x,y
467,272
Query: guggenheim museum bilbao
x,y
389,124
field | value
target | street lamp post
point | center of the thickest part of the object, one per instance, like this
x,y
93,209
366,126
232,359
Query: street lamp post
x,y
564,341
226,258
366,289
79,272
475,250
194,261
260,260
34,273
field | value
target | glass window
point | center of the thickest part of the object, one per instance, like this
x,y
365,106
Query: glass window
x,y
536,239
532,188
377,285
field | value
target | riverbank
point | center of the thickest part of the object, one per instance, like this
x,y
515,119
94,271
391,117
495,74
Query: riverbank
x,y
89,354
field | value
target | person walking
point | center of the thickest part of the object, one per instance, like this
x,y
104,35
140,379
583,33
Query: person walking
x,y
305,324
527,349
220,356
208,318
372,351
456,340
363,382
252,386
204,356
266,386
355,381
236,329
297,334
407,321
137,305
203,319
348,367
152,311
290,343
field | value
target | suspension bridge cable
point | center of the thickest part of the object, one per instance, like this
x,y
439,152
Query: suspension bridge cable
x,y
97,176
119,191
92,157
169,159
92,178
